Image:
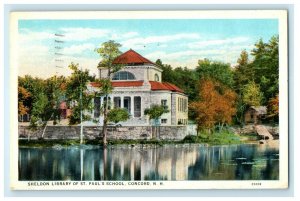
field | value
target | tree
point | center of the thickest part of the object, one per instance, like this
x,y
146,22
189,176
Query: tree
x,y
216,105
188,80
40,110
55,88
218,71
243,72
48,92
23,97
273,108
34,86
251,94
108,52
76,93
155,112
266,67
117,114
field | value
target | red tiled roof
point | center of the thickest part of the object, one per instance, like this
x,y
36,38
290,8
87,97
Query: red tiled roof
x,y
131,57
164,86
155,86
122,84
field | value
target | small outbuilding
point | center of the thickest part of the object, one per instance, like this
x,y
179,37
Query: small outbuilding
x,y
255,114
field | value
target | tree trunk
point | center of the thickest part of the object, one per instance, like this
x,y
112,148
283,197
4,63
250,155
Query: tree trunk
x,y
105,122
221,128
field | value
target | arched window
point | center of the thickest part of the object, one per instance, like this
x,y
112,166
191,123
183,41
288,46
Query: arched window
x,y
156,77
123,75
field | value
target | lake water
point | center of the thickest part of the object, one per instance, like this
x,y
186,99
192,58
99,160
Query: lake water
x,y
168,162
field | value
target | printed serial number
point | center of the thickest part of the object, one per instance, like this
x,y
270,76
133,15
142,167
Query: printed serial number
x,y
256,184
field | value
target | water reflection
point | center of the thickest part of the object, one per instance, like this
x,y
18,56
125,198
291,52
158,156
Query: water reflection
x,y
169,162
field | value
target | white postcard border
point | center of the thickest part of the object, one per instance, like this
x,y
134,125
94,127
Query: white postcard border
x,y
281,15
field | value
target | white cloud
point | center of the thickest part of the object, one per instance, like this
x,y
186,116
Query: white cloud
x,y
82,34
189,58
28,36
139,42
79,49
206,43
130,34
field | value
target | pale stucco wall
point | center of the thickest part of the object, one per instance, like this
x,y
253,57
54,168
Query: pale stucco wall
x,y
183,113
140,72
152,72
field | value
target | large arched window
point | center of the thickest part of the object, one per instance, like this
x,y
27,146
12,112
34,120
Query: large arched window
x,y
123,75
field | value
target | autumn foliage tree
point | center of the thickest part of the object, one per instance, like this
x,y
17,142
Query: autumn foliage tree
x,y
216,105
273,108
23,97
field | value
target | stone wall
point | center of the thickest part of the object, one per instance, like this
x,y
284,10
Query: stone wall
x,y
92,132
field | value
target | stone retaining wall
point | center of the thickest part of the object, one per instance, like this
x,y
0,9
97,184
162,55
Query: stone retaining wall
x,y
92,132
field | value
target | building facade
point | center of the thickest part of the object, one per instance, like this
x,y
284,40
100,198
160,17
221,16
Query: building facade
x,y
137,86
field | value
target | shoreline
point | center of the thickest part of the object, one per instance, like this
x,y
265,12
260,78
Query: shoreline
x,y
130,143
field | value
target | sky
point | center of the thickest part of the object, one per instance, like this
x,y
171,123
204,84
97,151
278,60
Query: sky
x,y
178,42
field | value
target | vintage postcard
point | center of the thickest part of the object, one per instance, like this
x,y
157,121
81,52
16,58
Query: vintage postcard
x,y
149,100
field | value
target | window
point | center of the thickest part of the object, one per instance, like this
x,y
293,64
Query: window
x,y
164,104
164,121
123,75
185,105
179,122
137,106
96,107
127,103
156,77
117,102
180,104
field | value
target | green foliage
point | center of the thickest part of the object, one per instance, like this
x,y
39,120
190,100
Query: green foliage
x,y
48,143
45,97
218,71
266,67
108,52
243,72
105,86
117,114
190,139
78,99
240,111
252,96
256,82
155,111
34,86
188,80
215,138
40,105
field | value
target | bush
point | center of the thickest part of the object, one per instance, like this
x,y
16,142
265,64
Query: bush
x,y
216,138
190,139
